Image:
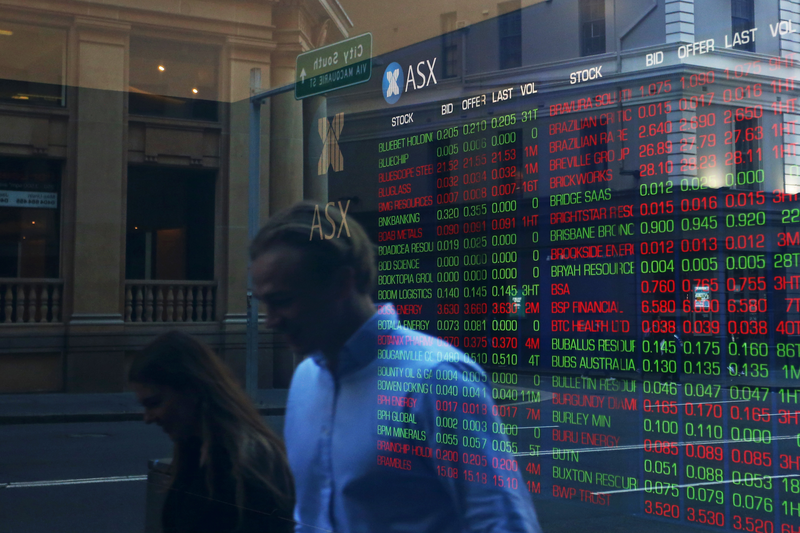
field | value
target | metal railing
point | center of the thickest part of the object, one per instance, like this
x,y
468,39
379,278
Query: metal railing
x,y
170,301
30,301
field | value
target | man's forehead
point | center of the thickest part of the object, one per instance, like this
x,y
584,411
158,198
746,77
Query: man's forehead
x,y
278,266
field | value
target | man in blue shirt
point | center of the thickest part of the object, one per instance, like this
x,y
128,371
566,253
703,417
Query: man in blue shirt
x,y
387,429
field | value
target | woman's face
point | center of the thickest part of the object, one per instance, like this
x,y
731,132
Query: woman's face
x,y
176,412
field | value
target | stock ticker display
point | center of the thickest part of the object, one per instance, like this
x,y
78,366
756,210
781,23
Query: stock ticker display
x,y
621,254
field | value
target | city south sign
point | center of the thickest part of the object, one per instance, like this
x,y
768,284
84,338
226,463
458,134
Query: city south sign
x,y
335,66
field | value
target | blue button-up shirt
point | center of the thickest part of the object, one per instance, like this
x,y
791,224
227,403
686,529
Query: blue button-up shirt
x,y
368,454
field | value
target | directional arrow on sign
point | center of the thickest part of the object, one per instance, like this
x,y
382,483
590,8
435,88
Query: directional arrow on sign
x,y
333,67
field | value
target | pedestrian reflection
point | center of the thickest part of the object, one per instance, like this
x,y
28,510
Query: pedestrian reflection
x,y
229,470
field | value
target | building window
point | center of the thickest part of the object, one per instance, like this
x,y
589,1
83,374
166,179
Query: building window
x,y
451,51
170,228
29,218
510,32
593,27
744,19
32,64
174,80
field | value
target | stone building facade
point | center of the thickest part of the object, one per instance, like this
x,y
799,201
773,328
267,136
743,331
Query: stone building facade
x,y
123,177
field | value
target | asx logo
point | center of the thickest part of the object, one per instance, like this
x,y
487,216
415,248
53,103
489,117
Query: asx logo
x,y
329,132
393,79
316,221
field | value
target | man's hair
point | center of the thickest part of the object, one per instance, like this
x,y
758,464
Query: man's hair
x,y
299,227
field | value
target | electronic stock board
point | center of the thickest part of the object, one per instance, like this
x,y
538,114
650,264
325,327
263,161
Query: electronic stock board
x,y
618,246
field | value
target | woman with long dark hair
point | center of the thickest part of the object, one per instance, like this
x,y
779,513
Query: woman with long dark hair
x,y
229,470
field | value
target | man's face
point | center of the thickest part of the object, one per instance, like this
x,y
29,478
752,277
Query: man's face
x,y
297,305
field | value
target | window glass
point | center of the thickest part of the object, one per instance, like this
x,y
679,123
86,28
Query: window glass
x,y
32,64
451,51
604,216
590,208
29,218
744,20
593,27
170,229
510,30
173,79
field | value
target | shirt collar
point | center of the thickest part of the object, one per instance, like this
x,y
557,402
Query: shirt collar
x,y
362,347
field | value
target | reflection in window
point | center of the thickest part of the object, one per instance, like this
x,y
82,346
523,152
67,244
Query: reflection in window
x,y
29,218
510,31
32,64
747,157
594,141
170,224
792,179
450,48
744,19
593,27
172,79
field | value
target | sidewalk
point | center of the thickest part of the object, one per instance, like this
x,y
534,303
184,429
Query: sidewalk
x,y
111,407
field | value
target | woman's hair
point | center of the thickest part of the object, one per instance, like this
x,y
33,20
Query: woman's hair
x,y
328,238
231,427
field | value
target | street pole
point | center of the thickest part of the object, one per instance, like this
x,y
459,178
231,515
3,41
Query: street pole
x,y
257,99
253,215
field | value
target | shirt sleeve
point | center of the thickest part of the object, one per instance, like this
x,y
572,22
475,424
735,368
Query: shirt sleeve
x,y
294,433
473,458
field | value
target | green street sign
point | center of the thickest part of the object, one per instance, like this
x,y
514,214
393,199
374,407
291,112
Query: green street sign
x,y
332,67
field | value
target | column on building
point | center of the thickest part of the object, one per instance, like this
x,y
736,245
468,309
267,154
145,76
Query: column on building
x,y
243,55
682,151
680,29
95,290
680,21
791,152
790,41
286,168
790,49
316,127
300,26
286,136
